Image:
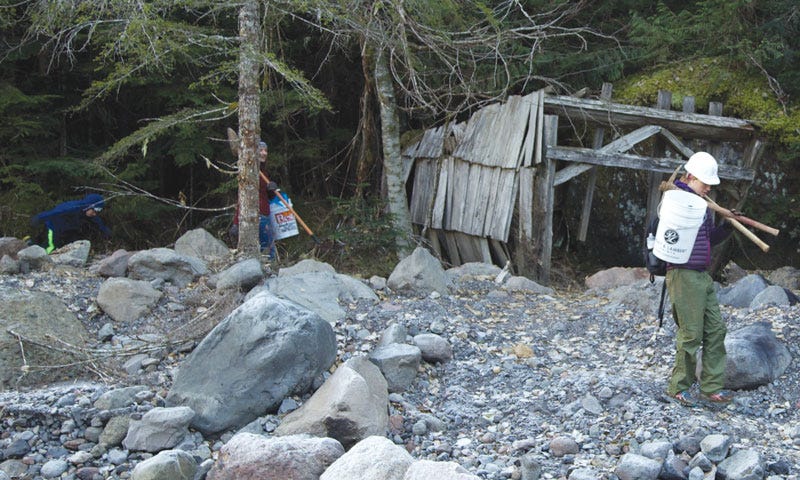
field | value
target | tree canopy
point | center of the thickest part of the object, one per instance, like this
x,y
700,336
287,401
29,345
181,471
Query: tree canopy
x,y
121,92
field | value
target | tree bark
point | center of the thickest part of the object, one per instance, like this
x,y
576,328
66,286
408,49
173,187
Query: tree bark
x,y
368,146
392,162
249,127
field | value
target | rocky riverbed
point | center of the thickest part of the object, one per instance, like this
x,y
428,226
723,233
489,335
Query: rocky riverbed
x,y
560,381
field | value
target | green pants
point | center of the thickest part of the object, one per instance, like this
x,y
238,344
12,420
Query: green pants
x,y
696,311
50,241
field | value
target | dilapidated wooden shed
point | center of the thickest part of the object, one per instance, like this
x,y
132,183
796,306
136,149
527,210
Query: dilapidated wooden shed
x,y
473,180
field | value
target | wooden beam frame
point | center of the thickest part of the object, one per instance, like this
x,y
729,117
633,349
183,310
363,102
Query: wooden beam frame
x,y
637,162
623,144
693,125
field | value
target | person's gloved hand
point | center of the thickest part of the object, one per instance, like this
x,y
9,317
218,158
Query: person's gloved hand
x,y
736,212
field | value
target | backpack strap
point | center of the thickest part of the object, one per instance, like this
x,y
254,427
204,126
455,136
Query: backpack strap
x,y
661,303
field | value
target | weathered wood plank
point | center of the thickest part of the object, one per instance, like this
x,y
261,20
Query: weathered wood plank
x,y
447,219
752,153
460,190
539,129
499,251
495,135
529,143
569,172
424,191
432,236
525,207
472,248
509,185
619,115
637,162
623,144
476,203
491,199
429,146
451,246
439,203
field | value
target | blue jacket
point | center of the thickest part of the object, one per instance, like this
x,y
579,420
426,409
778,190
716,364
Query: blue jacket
x,y
708,236
68,216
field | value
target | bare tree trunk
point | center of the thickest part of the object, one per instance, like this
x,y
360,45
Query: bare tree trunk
x,y
392,161
368,141
249,127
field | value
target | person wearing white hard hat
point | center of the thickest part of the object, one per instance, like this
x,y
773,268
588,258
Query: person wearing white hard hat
x,y
695,307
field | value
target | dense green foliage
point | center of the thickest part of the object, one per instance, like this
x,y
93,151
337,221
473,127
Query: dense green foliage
x,y
147,94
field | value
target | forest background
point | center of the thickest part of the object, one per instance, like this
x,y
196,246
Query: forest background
x,y
132,98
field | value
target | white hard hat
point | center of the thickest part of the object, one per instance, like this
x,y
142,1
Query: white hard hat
x,y
704,167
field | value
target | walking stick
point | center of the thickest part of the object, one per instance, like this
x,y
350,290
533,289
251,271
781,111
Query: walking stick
x,y
233,143
289,207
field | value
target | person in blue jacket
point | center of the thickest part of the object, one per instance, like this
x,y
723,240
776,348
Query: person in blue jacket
x,y
68,221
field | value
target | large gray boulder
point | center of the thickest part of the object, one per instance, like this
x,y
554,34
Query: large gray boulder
x,y
33,258
398,363
615,277
375,458
472,271
125,300
742,293
10,246
8,265
321,292
526,285
165,264
201,244
296,457
637,467
350,406
40,319
771,296
74,254
264,350
755,357
420,272
243,276
742,465
786,277
307,265
159,429
428,469
167,465
115,265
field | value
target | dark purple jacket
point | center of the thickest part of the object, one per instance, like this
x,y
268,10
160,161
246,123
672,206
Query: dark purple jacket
x,y
708,236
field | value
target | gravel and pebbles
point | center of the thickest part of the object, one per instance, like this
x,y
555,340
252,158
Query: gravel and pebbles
x,y
567,381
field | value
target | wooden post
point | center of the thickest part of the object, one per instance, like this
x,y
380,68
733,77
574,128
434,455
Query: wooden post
x,y
543,205
599,133
655,178
716,149
523,253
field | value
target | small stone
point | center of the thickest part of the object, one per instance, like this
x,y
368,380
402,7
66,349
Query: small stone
x,y
563,445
